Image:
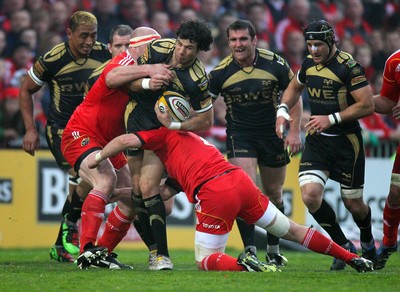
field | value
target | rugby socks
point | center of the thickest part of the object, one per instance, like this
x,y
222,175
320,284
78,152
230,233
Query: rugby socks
x,y
156,211
365,227
326,218
319,243
65,210
92,216
246,232
272,240
117,226
391,219
142,223
74,214
221,262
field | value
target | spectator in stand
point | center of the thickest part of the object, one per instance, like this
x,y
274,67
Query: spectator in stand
x,y
105,11
173,8
160,22
278,9
29,36
329,9
363,55
34,5
187,14
392,42
260,16
19,20
347,45
221,47
378,49
210,11
8,8
11,123
297,19
59,18
354,25
41,22
18,64
134,13
48,40
295,49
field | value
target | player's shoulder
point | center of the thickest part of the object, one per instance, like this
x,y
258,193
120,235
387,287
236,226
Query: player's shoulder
x,y
55,53
267,54
346,59
223,64
394,58
164,45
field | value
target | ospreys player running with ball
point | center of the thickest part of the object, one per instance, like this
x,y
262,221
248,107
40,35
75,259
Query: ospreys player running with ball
x,y
65,69
190,81
339,95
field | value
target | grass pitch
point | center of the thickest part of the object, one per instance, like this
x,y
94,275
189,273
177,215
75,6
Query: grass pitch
x,y
31,270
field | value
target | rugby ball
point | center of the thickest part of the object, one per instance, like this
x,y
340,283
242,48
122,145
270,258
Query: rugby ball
x,y
177,105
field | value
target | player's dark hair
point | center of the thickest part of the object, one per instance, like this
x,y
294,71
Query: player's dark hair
x,y
197,31
242,24
120,30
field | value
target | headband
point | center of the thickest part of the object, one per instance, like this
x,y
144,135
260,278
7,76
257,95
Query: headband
x,y
142,40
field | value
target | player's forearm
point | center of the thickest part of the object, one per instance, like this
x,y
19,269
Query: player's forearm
x,y
292,93
199,122
26,107
122,75
383,105
296,112
119,144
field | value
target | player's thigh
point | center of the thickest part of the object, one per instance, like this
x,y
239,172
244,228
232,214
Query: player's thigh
x,y
151,174
248,164
272,179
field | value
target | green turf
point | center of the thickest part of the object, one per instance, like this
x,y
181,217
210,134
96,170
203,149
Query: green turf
x,y
31,270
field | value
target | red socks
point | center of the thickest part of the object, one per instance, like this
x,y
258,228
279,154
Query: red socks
x,y
92,216
319,243
221,262
117,227
391,219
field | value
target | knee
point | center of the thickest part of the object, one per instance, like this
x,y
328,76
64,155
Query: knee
x,y
356,207
312,199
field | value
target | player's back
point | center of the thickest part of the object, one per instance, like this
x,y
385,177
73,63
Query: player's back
x,y
102,111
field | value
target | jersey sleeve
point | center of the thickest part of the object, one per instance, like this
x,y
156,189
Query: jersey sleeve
x,y
391,80
357,78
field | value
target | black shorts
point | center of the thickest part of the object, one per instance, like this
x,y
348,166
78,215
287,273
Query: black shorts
x,y
53,137
139,120
342,156
268,151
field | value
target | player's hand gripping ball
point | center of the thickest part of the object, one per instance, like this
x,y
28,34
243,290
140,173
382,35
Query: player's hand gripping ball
x,y
178,107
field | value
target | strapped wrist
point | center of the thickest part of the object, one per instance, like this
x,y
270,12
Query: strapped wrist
x,y
146,83
175,126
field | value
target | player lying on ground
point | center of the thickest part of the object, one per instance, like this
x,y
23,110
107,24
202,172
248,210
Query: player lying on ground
x,y
221,192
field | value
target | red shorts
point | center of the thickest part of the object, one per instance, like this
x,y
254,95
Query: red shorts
x,y
226,197
75,147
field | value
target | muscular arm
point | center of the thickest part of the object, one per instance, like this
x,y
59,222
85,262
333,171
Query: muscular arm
x,y
123,75
383,105
364,105
290,97
31,137
198,122
114,147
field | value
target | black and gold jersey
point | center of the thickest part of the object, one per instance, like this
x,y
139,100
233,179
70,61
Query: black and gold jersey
x,y
329,87
191,82
94,76
66,78
251,94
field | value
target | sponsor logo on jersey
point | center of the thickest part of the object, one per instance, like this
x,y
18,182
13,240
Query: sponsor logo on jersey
x,y
397,68
211,226
358,80
85,141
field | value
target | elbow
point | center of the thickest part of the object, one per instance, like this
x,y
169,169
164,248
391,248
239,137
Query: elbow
x,y
110,81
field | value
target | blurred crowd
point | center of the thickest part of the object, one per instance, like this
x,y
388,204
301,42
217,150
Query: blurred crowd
x,y
369,30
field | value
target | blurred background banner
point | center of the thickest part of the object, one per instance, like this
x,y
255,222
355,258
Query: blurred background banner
x,y
32,194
